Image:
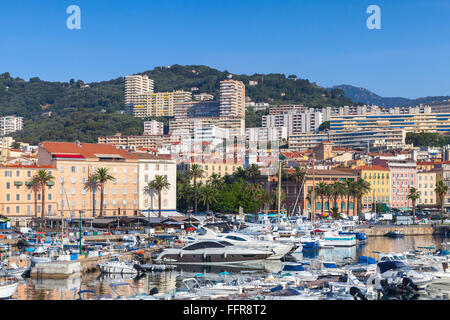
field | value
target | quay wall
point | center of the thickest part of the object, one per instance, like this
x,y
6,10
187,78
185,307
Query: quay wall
x,y
407,230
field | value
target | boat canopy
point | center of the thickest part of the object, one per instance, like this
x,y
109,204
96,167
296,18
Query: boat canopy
x,y
367,260
390,265
293,267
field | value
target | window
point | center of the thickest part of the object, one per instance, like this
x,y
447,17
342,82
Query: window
x,y
146,166
8,197
84,169
17,173
124,170
73,180
29,197
114,202
73,191
28,209
157,166
83,191
29,174
124,202
8,185
124,180
83,202
114,191
135,191
17,209
62,169
124,191
115,170
49,197
73,169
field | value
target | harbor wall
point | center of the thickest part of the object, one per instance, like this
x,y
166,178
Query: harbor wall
x,y
407,230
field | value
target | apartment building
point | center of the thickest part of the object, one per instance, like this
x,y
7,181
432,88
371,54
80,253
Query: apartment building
x,y
10,124
282,109
410,122
361,138
196,109
157,104
18,201
426,183
153,128
235,125
221,168
149,167
403,176
379,179
75,162
232,98
136,142
136,85
295,122
266,133
440,107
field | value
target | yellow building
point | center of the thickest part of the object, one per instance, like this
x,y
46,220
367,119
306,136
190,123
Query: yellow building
x,y
17,200
426,182
379,180
158,104
219,168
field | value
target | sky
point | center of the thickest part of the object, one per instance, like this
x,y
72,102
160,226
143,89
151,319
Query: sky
x,y
325,41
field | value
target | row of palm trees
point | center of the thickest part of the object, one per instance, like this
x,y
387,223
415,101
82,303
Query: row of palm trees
x,y
345,190
95,182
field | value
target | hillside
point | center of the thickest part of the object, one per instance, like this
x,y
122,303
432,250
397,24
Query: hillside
x,y
367,97
30,99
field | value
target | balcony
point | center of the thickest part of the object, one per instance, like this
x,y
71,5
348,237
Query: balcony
x,y
18,183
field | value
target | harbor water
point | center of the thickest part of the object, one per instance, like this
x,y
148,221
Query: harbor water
x,y
66,289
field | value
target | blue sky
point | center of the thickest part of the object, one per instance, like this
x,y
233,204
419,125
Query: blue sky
x,y
325,41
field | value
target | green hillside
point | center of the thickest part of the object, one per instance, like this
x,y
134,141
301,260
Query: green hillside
x,y
75,100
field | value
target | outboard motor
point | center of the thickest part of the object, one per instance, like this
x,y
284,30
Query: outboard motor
x,y
407,283
357,293
154,291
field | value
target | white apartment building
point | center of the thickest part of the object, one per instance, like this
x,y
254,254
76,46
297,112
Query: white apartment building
x,y
153,128
149,167
135,85
232,98
266,134
295,122
10,124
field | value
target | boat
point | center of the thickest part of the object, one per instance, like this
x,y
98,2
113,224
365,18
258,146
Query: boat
x,y
360,236
13,271
8,287
332,239
148,267
395,234
212,252
114,265
395,271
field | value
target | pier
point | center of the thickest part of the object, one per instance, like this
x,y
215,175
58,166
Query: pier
x,y
412,230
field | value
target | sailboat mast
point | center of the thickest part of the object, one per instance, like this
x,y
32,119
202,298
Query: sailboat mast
x,y
279,191
313,190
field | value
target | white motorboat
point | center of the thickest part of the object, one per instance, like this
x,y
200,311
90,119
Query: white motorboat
x,y
8,287
333,239
116,266
212,252
395,271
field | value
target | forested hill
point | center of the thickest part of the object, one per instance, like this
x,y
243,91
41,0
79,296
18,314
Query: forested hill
x,y
368,97
30,99
27,98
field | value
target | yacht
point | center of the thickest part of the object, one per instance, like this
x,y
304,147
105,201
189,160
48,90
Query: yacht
x,y
114,265
212,252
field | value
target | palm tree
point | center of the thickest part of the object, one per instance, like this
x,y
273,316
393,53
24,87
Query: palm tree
x,y
349,192
298,176
253,172
337,190
256,191
207,195
239,174
441,190
215,180
102,176
35,187
93,186
159,183
43,178
321,191
195,173
362,187
414,195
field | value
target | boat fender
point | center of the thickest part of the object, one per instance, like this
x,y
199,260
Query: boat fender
x,y
181,254
225,254
204,255
357,293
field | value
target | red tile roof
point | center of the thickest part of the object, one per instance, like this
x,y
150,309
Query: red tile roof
x,y
87,150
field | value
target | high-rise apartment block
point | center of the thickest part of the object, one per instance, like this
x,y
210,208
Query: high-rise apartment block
x,y
10,124
232,98
136,85
153,128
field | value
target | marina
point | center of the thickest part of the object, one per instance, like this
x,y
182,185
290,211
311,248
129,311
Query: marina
x,y
210,264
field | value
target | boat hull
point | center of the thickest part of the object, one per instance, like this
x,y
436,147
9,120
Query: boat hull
x,y
7,291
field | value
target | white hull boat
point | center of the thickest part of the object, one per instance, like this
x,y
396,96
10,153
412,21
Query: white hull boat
x,y
8,287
